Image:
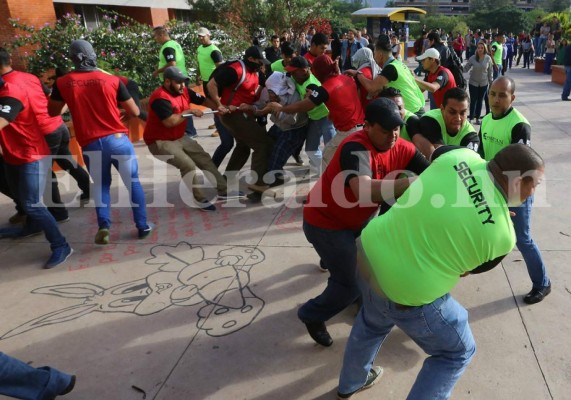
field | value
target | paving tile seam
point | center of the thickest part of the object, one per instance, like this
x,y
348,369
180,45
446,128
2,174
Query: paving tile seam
x,y
527,333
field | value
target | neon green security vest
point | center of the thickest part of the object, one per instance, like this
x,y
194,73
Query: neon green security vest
x,y
403,132
446,138
450,220
319,112
278,66
178,54
497,133
498,53
411,93
205,64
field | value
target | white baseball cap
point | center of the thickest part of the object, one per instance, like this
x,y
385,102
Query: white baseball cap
x,y
432,53
203,32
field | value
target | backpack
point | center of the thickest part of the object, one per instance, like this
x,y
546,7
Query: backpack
x,y
455,66
216,72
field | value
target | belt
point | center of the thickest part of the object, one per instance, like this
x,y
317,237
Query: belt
x,y
119,135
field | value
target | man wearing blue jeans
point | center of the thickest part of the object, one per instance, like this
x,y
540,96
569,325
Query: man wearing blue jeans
x,y
411,257
27,165
22,381
506,125
92,97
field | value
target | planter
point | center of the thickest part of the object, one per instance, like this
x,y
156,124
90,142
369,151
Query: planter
x,y
539,65
558,74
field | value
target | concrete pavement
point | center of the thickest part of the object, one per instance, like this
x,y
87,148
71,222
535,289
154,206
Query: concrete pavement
x,y
205,308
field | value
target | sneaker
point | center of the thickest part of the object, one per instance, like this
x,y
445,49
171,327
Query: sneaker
x,y
83,199
144,233
59,256
17,219
102,236
537,295
213,126
298,160
215,134
258,188
372,377
231,195
205,205
62,220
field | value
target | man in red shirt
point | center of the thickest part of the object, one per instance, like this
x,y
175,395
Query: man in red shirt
x,y
92,98
318,46
53,129
439,79
25,153
339,93
346,196
230,87
169,108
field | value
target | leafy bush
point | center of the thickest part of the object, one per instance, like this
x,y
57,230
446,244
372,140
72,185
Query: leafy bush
x,y
124,46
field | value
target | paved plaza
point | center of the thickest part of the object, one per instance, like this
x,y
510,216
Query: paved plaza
x,y
205,308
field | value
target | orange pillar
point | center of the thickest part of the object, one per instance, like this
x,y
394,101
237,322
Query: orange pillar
x,y
43,11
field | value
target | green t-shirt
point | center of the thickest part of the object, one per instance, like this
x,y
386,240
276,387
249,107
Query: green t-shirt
x,y
411,93
319,112
498,53
179,57
451,220
455,140
205,63
497,133
278,66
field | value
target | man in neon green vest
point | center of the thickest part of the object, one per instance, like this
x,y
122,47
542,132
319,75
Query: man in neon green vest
x,y
503,126
171,55
451,222
496,49
449,124
209,57
394,74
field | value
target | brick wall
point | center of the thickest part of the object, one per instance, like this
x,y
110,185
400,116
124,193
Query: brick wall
x,y
150,16
31,12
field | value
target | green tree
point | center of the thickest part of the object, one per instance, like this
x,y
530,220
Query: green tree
x,y
507,19
557,5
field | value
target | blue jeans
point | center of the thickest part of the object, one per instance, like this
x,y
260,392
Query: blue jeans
x,y
549,57
431,100
477,95
115,151
22,381
440,328
226,142
540,48
317,128
567,86
28,182
525,244
338,253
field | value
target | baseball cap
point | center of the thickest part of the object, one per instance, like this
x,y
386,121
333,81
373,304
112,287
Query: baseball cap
x,y
296,63
432,53
203,32
174,74
384,112
256,53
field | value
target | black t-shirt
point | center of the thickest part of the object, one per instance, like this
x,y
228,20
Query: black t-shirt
x,y
10,108
430,129
413,125
318,95
390,72
354,160
122,93
170,54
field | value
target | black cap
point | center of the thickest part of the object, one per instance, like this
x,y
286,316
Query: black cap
x,y
174,74
297,62
256,53
384,112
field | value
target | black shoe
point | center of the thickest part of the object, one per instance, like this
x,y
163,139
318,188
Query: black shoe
x,y
318,332
69,387
537,295
373,377
277,182
566,99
